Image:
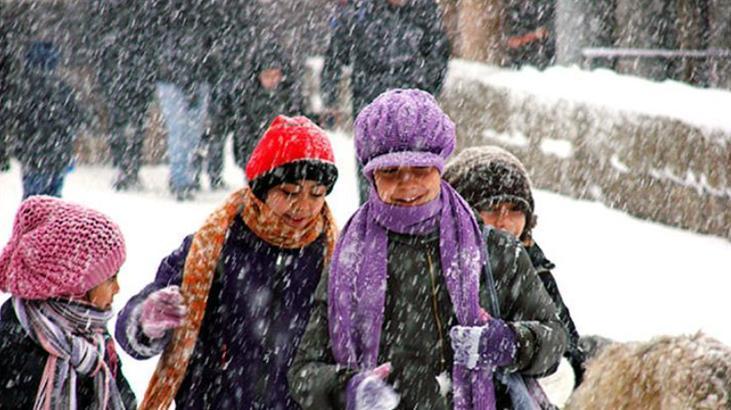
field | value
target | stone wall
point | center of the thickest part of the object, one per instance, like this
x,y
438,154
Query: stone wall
x,y
652,167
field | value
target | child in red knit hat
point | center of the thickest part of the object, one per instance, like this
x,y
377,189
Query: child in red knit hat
x,y
227,309
60,265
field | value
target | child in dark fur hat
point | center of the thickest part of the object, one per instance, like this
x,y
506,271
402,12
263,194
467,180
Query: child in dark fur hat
x,y
496,184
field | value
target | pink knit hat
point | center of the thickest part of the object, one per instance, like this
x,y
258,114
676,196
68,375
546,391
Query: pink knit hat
x,y
59,249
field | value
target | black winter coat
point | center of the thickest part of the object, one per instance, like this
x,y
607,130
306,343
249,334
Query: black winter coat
x,y
22,362
124,57
389,47
46,119
183,33
417,317
573,354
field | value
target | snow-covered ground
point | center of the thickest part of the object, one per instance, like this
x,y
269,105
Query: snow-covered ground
x,y
621,277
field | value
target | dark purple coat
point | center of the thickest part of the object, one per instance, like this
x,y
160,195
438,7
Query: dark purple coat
x,y
258,308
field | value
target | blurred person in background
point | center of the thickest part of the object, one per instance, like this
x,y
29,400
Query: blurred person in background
x,y
271,91
531,37
44,119
183,37
126,75
390,44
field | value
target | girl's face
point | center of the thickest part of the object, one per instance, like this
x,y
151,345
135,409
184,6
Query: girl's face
x,y
407,186
505,216
102,295
297,204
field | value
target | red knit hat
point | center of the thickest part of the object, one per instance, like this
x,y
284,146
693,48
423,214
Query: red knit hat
x,y
291,149
59,249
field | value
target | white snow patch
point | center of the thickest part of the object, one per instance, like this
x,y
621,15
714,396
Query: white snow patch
x,y
445,383
618,164
699,183
514,138
596,192
557,147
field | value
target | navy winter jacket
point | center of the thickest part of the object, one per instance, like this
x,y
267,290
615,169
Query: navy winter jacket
x,y
258,308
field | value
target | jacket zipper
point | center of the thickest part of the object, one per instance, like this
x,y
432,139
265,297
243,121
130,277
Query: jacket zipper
x,y
438,321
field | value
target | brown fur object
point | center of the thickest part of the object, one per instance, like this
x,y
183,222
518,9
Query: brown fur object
x,y
668,372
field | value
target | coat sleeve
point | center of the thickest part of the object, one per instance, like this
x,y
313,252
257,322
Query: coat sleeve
x,y
22,364
338,53
573,352
315,381
127,330
526,306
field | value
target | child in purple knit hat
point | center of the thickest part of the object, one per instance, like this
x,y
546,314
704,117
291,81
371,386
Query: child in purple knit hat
x,y
404,318
60,266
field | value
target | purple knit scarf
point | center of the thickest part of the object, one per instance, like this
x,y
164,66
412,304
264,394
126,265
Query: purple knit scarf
x,y
357,285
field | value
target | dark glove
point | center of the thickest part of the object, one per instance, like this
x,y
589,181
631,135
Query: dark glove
x,y
577,359
492,345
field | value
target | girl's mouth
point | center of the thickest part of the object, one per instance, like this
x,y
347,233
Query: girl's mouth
x,y
409,200
296,221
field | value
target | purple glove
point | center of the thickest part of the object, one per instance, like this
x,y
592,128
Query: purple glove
x,y
162,310
491,345
369,391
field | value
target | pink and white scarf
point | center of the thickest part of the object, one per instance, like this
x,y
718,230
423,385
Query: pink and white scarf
x,y
73,335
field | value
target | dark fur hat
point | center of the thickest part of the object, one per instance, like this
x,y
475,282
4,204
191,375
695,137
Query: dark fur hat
x,y
488,175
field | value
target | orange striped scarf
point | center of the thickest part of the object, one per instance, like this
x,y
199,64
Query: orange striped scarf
x,y
200,264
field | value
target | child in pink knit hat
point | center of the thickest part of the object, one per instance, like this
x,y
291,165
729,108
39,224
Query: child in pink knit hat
x,y
60,266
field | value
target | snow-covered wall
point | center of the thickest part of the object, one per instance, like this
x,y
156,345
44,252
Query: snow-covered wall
x,y
660,151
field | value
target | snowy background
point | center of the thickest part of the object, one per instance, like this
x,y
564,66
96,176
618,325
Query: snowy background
x,y
621,277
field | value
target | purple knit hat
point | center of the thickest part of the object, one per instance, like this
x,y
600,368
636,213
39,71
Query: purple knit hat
x,y
59,249
403,128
